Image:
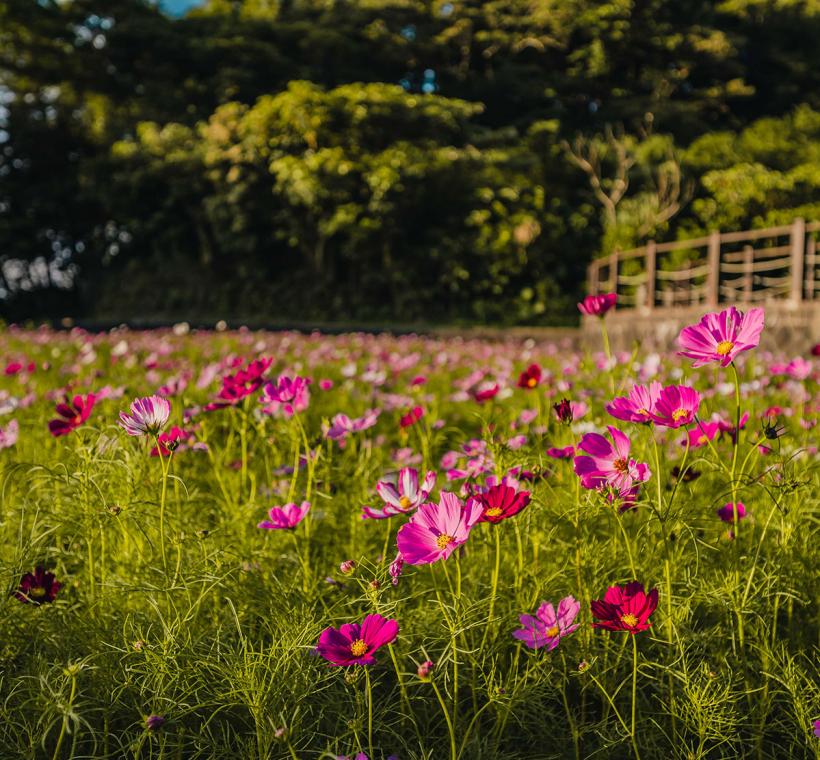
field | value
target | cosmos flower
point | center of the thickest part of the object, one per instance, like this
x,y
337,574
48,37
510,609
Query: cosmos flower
x,y
500,502
396,568
170,441
625,608
342,424
355,644
412,417
485,392
563,410
154,722
436,530
727,512
676,406
566,452
9,434
239,386
39,587
285,517
597,306
71,413
291,395
547,627
638,406
608,464
701,434
720,337
148,416
405,498
530,377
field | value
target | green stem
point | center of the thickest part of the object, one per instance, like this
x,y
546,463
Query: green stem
x,y
634,690
369,713
64,727
494,582
450,729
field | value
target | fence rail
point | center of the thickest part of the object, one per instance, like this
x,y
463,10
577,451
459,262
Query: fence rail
x,y
753,266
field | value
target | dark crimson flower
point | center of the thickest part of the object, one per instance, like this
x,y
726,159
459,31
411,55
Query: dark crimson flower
x,y
71,413
625,608
39,587
727,512
689,474
815,349
412,417
563,410
530,377
597,306
500,502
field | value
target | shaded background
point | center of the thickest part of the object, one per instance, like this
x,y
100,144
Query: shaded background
x,y
387,161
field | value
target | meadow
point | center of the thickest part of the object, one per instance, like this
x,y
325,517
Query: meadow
x,y
241,544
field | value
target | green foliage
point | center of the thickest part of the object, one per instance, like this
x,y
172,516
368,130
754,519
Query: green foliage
x,y
385,160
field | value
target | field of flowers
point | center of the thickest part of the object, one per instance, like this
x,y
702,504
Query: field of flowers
x,y
271,545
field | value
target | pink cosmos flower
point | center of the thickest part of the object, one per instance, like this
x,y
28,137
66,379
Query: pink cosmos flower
x,y
405,498
485,392
8,436
291,395
597,306
546,627
608,464
71,413
239,386
720,337
436,530
625,608
148,416
285,517
676,406
638,405
175,438
701,434
342,424
564,453
396,568
355,644
727,512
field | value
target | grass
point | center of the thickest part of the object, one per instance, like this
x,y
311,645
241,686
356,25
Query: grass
x,y
214,627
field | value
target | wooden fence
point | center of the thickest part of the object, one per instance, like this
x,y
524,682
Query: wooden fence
x,y
753,266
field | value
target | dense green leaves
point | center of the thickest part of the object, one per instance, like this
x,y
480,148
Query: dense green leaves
x,y
388,160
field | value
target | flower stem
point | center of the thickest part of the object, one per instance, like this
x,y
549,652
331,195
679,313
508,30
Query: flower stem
x,y
451,731
494,586
369,712
634,689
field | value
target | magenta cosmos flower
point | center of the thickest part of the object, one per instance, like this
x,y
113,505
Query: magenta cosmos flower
x,y
342,424
676,406
436,530
239,386
547,627
638,406
71,413
291,395
8,435
720,337
285,517
597,306
500,502
727,512
148,416
355,644
608,464
404,498
625,608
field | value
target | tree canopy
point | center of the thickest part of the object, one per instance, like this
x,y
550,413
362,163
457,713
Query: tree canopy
x,y
385,160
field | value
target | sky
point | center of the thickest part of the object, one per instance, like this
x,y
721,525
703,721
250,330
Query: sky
x,y
178,7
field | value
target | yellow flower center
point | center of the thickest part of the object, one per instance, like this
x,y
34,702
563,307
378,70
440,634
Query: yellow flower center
x,y
532,382
621,465
724,347
643,411
629,620
38,592
358,647
493,512
405,502
443,541
679,414
703,439
553,632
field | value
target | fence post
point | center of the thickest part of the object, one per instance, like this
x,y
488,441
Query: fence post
x,y
613,272
651,266
748,273
798,246
713,273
